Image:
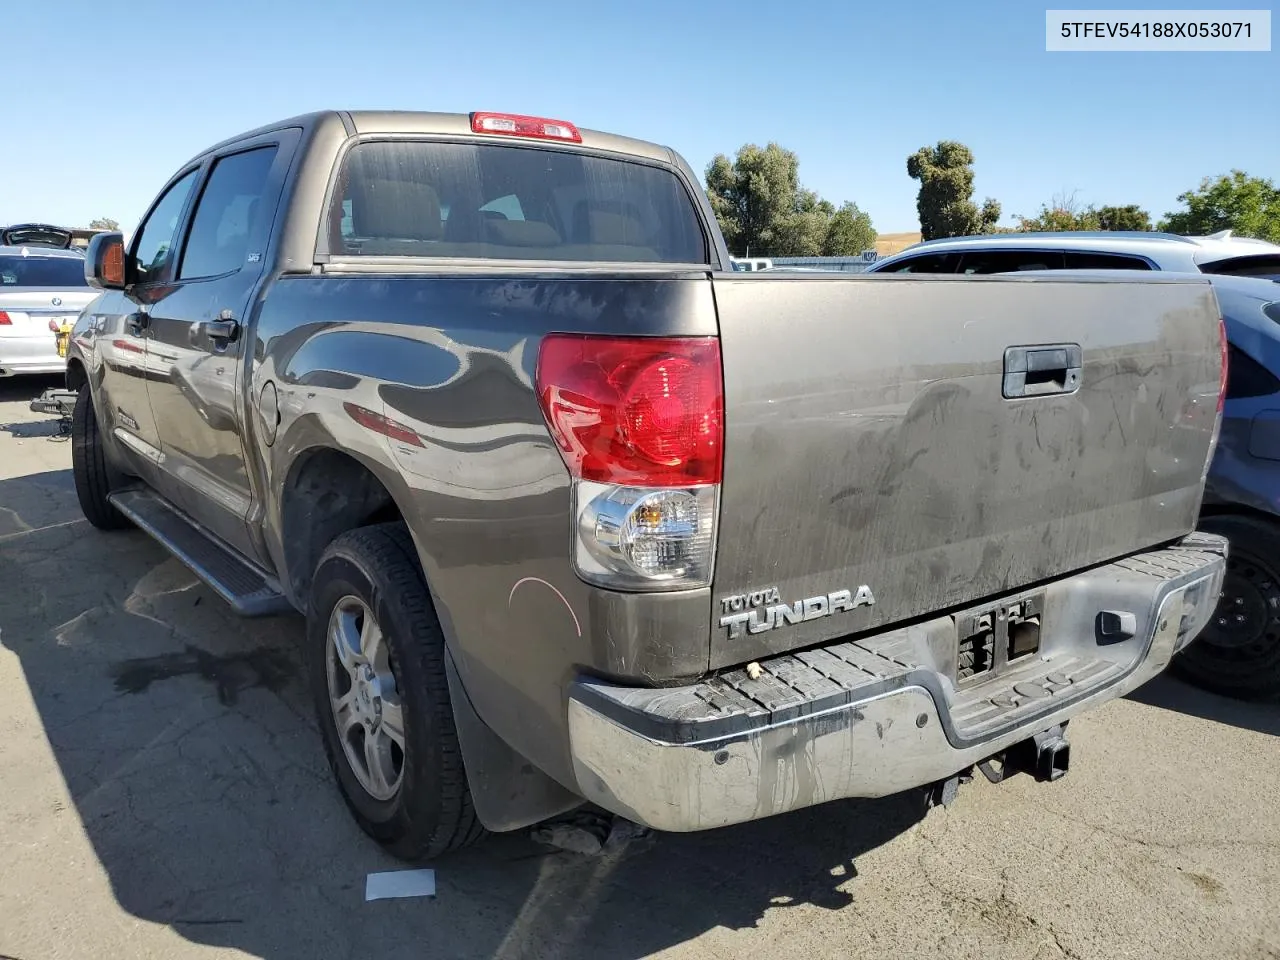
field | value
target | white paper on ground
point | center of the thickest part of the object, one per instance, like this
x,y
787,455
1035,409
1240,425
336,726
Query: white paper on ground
x,y
400,883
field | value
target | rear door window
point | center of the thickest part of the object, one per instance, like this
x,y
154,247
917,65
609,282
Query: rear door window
x,y
497,201
927,263
1010,261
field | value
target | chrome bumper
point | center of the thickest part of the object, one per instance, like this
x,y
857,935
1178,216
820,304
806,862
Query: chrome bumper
x,y
880,715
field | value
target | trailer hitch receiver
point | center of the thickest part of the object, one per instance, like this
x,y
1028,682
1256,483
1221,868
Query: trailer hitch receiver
x,y
1046,756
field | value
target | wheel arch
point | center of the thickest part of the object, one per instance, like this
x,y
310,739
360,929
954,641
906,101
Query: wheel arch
x,y
326,492
77,376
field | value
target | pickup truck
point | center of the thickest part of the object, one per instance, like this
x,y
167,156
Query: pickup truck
x,y
577,513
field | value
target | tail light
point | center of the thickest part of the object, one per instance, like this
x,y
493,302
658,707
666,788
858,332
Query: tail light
x,y
4,319
639,422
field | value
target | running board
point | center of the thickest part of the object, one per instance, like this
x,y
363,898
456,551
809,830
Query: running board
x,y
249,591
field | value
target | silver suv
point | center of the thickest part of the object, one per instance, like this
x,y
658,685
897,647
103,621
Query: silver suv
x,y
1219,253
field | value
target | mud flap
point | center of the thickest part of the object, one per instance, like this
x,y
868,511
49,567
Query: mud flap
x,y
507,791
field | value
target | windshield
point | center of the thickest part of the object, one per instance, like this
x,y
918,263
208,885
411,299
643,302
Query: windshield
x,y
37,271
430,199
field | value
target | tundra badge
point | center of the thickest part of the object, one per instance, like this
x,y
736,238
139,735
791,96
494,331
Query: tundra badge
x,y
761,611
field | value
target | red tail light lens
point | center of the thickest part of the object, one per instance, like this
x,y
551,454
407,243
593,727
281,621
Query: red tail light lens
x,y
4,319
642,411
1222,376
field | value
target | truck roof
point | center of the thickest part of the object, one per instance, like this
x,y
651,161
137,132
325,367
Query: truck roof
x,y
446,124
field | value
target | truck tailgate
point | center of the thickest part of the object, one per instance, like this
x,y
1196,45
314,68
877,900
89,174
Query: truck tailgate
x,y
870,443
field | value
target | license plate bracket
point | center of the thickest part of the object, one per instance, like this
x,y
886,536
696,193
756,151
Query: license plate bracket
x,y
989,639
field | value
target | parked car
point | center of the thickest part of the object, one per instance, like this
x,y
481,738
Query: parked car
x,y
41,290
1219,253
576,512
1239,653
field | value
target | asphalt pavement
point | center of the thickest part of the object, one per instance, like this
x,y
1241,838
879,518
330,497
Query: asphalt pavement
x,y
163,794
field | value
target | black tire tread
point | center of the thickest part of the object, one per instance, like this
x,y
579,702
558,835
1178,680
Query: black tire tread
x,y
388,549
1259,539
89,467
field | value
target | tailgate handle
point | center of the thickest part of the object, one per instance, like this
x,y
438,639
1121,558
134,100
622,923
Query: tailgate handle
x,y
1037,371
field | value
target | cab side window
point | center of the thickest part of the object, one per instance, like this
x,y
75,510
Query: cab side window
x,y
226,214
153,252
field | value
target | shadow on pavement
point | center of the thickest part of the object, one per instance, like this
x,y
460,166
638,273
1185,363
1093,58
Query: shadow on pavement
x,y
185,738
28,387
1169,693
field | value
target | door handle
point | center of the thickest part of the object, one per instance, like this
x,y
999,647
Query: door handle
x,y
1041,370
221,331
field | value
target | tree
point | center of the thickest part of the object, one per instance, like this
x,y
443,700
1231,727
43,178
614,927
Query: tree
x,y
104,223
762,209
945,202
849,233
1131,217
752,195
1065,212
1248,206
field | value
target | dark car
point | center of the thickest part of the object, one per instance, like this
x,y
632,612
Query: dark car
x,y
1239,651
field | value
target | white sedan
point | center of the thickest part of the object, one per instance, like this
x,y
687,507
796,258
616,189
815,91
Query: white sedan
x,y
40,288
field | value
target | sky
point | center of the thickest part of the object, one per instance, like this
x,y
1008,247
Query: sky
x,y
104,102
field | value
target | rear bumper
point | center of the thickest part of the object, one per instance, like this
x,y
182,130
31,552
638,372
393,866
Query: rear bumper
x,y
883,714
30,354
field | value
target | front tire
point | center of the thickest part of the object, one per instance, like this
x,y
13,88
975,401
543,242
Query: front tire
x,y
376,664
94,476
1238,652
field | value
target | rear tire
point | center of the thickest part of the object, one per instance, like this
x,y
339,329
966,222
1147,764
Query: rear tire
x,y
94,476
409,792
1238,653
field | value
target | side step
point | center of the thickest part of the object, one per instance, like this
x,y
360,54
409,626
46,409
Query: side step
x,y
249,591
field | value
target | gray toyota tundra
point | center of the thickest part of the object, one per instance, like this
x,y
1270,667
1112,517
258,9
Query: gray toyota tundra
x,y
576,513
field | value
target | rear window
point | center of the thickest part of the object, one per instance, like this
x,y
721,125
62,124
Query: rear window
x,y
37,271
1257,265
491,201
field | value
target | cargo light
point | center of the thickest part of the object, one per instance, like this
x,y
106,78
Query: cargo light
x,y
639,423
516,125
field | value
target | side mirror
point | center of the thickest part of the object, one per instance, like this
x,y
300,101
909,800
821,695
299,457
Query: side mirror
x,y
104,262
